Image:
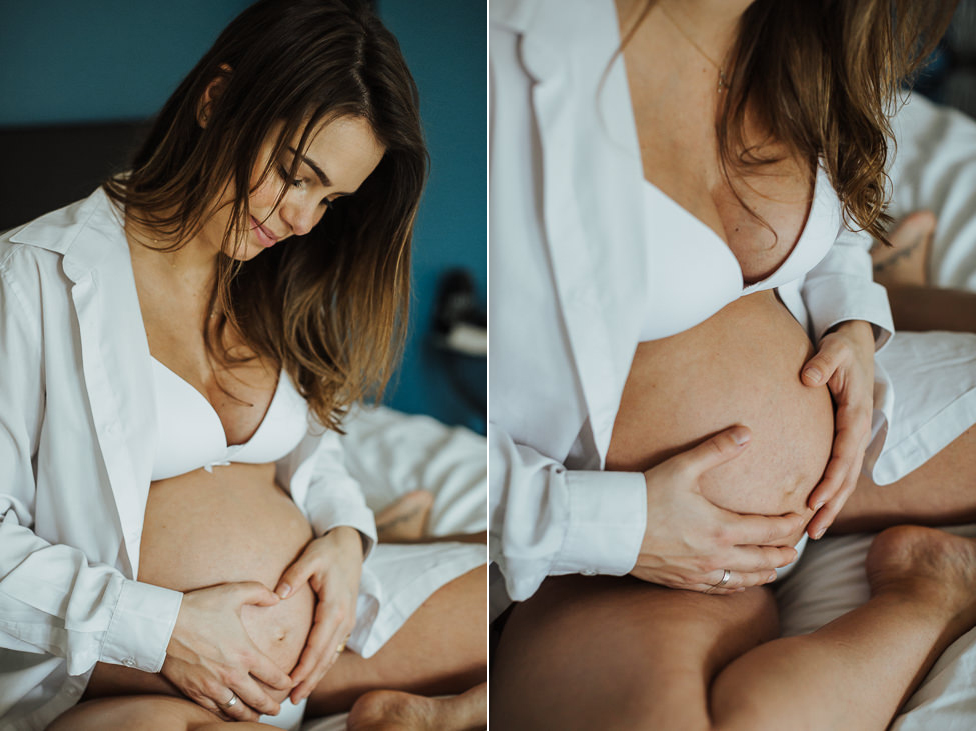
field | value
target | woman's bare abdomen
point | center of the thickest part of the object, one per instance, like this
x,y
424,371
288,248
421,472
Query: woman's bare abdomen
x,y
741,366
202,529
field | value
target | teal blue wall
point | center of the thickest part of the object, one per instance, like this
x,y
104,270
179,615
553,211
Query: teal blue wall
x,y
71,61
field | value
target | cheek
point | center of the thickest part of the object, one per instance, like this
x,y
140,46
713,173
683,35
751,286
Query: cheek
x,y
263,199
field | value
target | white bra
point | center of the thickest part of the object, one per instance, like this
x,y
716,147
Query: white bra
x,y
692,273
190,435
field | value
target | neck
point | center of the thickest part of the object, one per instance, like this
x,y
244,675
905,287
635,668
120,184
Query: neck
x,y
193,265
714,24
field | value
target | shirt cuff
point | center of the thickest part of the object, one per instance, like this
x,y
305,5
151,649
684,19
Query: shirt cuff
x,y
326,516
141,626
850,298
607,520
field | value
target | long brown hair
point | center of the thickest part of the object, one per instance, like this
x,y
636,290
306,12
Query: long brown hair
x,y
822,80
330,306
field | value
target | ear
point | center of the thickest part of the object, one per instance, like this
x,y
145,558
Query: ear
x,y
211,94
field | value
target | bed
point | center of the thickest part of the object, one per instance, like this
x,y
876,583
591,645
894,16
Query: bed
x,y
935,169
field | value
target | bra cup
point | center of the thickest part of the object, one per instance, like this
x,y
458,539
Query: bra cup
x,y
190,434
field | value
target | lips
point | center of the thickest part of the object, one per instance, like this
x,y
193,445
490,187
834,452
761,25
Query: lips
x,y
266,237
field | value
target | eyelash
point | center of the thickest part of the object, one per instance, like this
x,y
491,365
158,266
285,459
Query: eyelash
x,y
299,183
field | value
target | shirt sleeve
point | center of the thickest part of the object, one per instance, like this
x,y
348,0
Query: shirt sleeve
x,y
548,520
52,599
320,483
842,287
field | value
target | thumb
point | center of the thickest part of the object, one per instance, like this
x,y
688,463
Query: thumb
x,y
821,367
254,592
296,575
719,449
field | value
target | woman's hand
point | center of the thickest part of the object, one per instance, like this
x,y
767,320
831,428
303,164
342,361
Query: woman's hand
x,y
845,363
690,542
331,565
211,658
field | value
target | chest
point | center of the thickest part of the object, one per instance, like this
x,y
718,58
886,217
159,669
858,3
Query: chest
x,y
240,394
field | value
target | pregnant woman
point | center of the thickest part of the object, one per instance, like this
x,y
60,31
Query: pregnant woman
x,y
670,188
178,351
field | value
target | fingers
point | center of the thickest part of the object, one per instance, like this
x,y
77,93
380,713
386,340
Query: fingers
x,y
265,670
822,366
826,514
321,652
840,477
296,575
253,700
738,581
719,449
739,529
254,592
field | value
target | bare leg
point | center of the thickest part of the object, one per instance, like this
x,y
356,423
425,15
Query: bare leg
x,y
940,492
903,269
392,710
404,521
906,261
440,650
614,653
918,309
146,713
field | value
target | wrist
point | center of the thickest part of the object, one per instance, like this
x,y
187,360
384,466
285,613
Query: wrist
x,y
860,331
349,539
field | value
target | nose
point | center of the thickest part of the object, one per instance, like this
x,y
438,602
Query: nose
x,y
300,216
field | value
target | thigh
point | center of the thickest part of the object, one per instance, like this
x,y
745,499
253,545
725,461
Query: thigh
x,y
939,492
608,652
440,649
135,713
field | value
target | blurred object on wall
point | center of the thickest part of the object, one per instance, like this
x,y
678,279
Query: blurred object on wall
x,y
460,335
459,325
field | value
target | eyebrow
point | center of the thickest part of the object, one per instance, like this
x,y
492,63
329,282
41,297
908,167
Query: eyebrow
x,y
315,168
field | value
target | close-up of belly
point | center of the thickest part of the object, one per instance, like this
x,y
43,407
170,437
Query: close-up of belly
x,y
741,366
202,529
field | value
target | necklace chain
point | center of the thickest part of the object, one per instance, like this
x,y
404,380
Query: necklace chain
x,y
723,82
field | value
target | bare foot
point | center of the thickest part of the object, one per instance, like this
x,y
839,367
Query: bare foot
x,y
928,565
405,520
905,263
392,710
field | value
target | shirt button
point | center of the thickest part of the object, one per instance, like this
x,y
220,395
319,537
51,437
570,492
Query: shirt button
x,y
129,662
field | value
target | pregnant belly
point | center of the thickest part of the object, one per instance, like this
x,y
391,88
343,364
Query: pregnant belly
x,y
741,366
203,529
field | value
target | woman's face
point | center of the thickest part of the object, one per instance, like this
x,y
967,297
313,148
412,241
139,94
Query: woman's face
x,y
340,156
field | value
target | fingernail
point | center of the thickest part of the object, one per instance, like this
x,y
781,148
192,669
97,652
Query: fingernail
x,y
813,374
284,591
820,533
818,506
771,578
741,436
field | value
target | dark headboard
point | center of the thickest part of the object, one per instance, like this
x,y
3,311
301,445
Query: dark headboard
x,y
46,167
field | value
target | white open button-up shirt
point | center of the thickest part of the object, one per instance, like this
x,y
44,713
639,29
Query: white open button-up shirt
x,y
77,435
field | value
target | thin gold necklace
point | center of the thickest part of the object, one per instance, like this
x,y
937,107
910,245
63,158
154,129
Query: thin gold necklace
x,y
723,82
